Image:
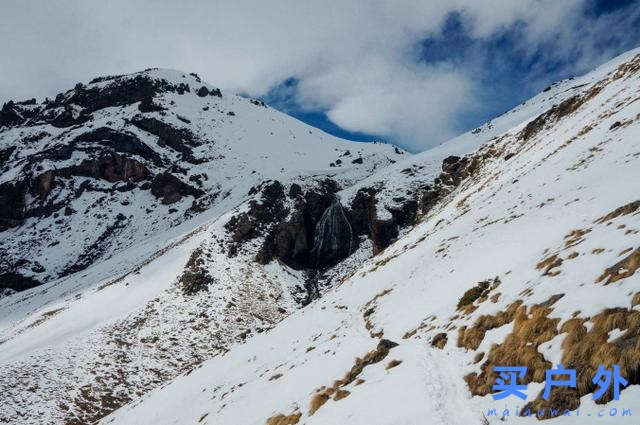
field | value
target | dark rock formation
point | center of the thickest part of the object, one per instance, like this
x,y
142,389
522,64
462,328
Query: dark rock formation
x,y
17,281
291,241
171,189
9,116
109,167
119,141
12,204
333,236
180,140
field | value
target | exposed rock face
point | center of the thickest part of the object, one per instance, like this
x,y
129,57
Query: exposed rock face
x,y
120,141
319,231
291,241
179,140
333,236
171,189
112,168
16,281
12,204
9,116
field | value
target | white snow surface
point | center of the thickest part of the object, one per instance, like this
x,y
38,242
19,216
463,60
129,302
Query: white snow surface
x,y
138,332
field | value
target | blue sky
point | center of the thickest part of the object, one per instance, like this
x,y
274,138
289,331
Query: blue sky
x,y
410,72
506,75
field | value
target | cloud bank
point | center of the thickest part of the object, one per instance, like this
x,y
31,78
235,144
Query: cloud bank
x,y
365,64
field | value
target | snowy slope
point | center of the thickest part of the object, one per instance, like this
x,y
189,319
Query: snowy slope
x,y
136,159
114,246
545,227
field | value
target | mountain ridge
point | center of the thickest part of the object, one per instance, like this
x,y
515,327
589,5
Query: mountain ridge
x,y
232,305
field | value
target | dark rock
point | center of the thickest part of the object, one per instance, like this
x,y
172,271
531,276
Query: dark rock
x,y
9,116
120,141
148,105
357,161
5,154
171,189
295,190
12,204
333,238
203,91
17,281
109,167
179,140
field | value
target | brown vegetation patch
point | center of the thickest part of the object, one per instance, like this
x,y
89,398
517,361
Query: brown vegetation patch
x,y
548,264
471,338
584,350
622,269
317,401
439,341
519,348
340,394
556,112
46,316
627,209
281,419
628,68
393,363
369,309
473,294
575,237
323,394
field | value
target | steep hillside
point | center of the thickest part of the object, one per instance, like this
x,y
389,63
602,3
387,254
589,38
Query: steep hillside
x,y
123,159
527,256
131,209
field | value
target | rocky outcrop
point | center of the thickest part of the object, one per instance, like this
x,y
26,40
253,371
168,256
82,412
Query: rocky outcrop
x,y
110,167
119,141
290,239
17,281
180,140
171,189
318,231
333,238
9,116
12,204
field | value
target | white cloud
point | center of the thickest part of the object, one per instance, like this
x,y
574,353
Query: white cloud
x,y
356,59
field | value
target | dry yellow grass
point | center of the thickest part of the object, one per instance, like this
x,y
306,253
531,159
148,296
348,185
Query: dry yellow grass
x,y
439,341
629,208
471,338
340,394
392,364
317,401
323,394
622,269
281,419
575,237
520,347
584,350
548,264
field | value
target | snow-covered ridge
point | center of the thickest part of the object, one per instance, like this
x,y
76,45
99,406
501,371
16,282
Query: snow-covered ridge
x,y
209,299
532,260
114,196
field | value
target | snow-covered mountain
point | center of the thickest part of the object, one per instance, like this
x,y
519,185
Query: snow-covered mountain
x,y
198,266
